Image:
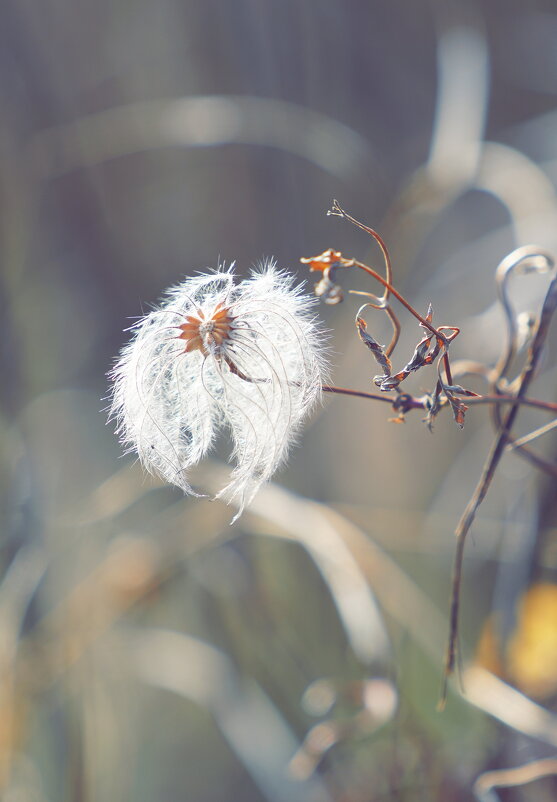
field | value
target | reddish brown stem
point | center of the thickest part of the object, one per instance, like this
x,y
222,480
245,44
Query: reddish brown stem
x,y
403,301
547,406
339,211
327,388
419,403
447,365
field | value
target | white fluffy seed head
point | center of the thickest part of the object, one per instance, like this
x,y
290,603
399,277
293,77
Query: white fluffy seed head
x,y
220,354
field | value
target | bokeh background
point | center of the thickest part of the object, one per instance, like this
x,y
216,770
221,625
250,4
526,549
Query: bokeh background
x,y
148,650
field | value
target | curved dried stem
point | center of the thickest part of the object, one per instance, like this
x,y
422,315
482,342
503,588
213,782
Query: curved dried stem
x,y
338,211
528,259
494,457
383,304
407,305
331,259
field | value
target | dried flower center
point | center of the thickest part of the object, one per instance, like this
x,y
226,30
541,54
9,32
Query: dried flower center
x,y
207,333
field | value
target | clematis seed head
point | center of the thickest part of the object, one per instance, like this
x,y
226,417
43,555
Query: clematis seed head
x,y
220,353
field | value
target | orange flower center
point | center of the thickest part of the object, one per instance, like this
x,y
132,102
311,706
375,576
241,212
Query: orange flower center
x,y
206,334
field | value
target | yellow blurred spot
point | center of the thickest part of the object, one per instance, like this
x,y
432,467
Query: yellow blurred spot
x,y
530,657
532,650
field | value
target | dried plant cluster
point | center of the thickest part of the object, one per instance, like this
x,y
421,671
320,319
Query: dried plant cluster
x,y
504,394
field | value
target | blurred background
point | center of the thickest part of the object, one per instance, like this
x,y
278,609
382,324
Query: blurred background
x,y
148,650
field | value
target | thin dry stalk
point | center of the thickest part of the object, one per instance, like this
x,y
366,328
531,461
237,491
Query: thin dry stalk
x,y
488,472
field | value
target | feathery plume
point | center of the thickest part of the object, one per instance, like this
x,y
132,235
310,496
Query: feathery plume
x,y
220,354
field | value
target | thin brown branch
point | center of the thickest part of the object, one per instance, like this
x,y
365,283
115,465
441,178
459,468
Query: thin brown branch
x,y
383,304
448,374
499,400
338,211
488,472
419,402
396,330
401,299
327,388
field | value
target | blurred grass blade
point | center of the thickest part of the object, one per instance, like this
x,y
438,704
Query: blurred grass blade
x,y
486,691
206,121
354,567
248,720
511,778
462,97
